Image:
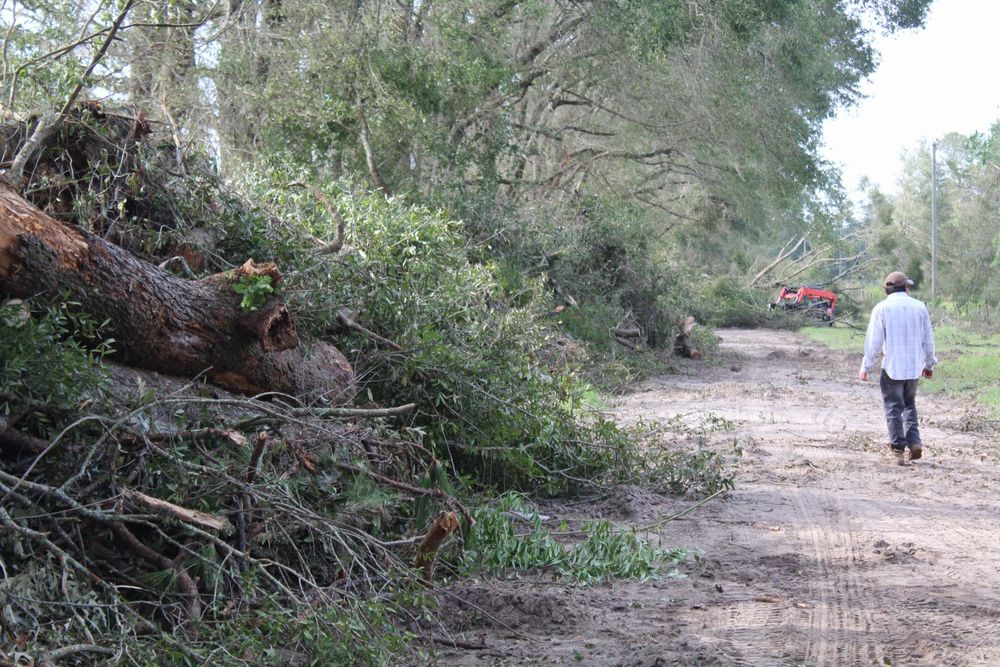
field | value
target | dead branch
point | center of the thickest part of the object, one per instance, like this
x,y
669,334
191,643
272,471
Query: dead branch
x,y
334,246
784,253
13,440
210,521
854,268
184,580
627,331
366,144
179,259
253,467
8,523
457,643
626,342
808,261
230,435
356,412
66,651
345,318
409,488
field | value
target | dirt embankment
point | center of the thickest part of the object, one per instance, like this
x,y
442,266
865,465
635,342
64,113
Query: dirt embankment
x,y
825,554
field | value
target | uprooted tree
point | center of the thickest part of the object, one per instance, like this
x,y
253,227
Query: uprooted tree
x,y
174,507
159,321
162,322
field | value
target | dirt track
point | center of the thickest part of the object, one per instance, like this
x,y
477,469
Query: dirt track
x,y
825,554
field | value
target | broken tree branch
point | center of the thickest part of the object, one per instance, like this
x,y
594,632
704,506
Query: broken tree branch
x,y
356,412
443,526
784,253
210,521
184,580
162,322
345,319
333,247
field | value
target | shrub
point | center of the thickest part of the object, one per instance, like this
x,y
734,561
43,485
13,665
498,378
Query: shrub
x,y
611,267
45,363
465,336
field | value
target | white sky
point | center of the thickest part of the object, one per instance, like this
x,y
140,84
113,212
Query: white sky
x,y
940,79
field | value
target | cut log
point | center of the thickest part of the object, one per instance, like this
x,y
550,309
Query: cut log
x,y
162,322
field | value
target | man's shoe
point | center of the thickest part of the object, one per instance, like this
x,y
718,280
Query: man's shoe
x,y
916,451
900,456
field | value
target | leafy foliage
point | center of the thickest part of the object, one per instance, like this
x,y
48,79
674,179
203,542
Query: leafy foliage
x,y
723,301
495,546
254,290
695,469
355,632
468,351
610,262
45,361
898,229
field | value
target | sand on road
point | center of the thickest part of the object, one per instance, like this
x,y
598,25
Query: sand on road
x,y
824,554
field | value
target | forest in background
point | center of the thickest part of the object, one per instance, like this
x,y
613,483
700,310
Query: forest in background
x,y
485,206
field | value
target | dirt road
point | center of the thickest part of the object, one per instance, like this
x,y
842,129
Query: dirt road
x,y
825,554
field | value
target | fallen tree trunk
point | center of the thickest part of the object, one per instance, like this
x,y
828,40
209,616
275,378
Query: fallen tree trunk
x,y
162,322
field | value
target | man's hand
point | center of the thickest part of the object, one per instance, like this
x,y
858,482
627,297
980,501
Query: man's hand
x,y
863,376
927,373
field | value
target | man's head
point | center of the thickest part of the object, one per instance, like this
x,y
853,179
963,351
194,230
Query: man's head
x,y
897,282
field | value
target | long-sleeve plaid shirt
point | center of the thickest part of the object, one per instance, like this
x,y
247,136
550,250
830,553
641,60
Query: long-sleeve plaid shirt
x,y
900,326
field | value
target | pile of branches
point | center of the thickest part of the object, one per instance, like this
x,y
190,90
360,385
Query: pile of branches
x,y
184,507
132,522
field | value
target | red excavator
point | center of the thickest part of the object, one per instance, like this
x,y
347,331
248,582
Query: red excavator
x,y
814,302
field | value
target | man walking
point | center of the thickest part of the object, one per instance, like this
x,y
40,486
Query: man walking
x,y
900,327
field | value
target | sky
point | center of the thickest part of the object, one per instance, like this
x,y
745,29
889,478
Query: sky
x,y
939,79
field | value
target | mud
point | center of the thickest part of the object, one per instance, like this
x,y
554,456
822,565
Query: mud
x,y
825,553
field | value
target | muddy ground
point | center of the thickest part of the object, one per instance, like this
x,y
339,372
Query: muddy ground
x,y
824,554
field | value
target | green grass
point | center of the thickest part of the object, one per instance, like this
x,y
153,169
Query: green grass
x,y
968,363
836,338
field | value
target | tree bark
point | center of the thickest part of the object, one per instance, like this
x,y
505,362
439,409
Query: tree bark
x,y
162,322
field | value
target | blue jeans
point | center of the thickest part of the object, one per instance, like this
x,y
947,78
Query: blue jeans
x,y
900,400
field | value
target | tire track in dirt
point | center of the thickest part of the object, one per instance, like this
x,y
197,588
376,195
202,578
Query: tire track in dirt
x,y
842,623
859,608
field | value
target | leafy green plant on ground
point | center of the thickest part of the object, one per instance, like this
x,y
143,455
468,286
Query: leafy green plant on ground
x,y
690,474
336,632
691,467
495,546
